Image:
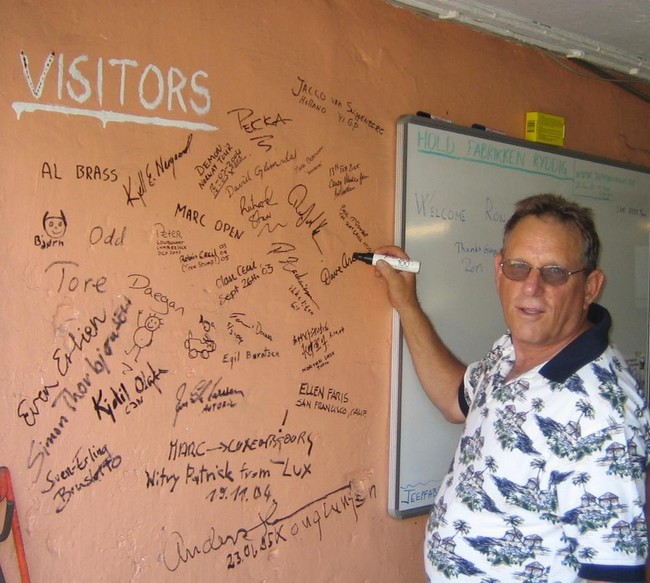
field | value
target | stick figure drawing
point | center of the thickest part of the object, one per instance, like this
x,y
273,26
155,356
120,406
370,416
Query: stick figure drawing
x,y
143,335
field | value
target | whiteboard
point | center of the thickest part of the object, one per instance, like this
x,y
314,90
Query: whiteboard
x,y
456,188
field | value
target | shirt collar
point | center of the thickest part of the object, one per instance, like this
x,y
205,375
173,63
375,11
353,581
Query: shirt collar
x,y
585,348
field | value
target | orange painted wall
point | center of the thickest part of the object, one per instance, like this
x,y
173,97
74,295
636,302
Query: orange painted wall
x,y
195,379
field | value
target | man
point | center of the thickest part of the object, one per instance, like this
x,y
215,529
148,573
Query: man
x,y
547,482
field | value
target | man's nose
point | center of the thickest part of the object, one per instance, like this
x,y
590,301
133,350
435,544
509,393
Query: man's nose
x,y
534,282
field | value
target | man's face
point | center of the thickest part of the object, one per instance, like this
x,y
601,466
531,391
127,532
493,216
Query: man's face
x,y
543,318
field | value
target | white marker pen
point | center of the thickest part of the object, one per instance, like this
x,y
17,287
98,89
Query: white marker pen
x,y
409,265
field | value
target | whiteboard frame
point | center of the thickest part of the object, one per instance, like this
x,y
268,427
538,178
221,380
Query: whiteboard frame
x,y
399,348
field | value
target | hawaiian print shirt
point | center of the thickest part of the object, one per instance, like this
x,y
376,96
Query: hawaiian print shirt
x,y
547,482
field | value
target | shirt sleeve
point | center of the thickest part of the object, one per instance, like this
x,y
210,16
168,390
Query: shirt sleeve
x,y
601,447
615,574
462,399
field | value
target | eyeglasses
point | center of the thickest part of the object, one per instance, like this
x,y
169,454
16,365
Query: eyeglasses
x,y
552,274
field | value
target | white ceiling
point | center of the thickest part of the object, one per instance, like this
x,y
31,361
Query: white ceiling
x,y
612,34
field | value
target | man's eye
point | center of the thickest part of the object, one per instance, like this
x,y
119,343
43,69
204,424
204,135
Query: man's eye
x,y
555,270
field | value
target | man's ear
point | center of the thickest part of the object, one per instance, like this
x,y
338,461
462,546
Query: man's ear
x,y
593,287
498,258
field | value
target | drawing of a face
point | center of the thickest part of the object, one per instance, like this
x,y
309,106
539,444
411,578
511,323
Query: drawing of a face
x,y
54,226
152,323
